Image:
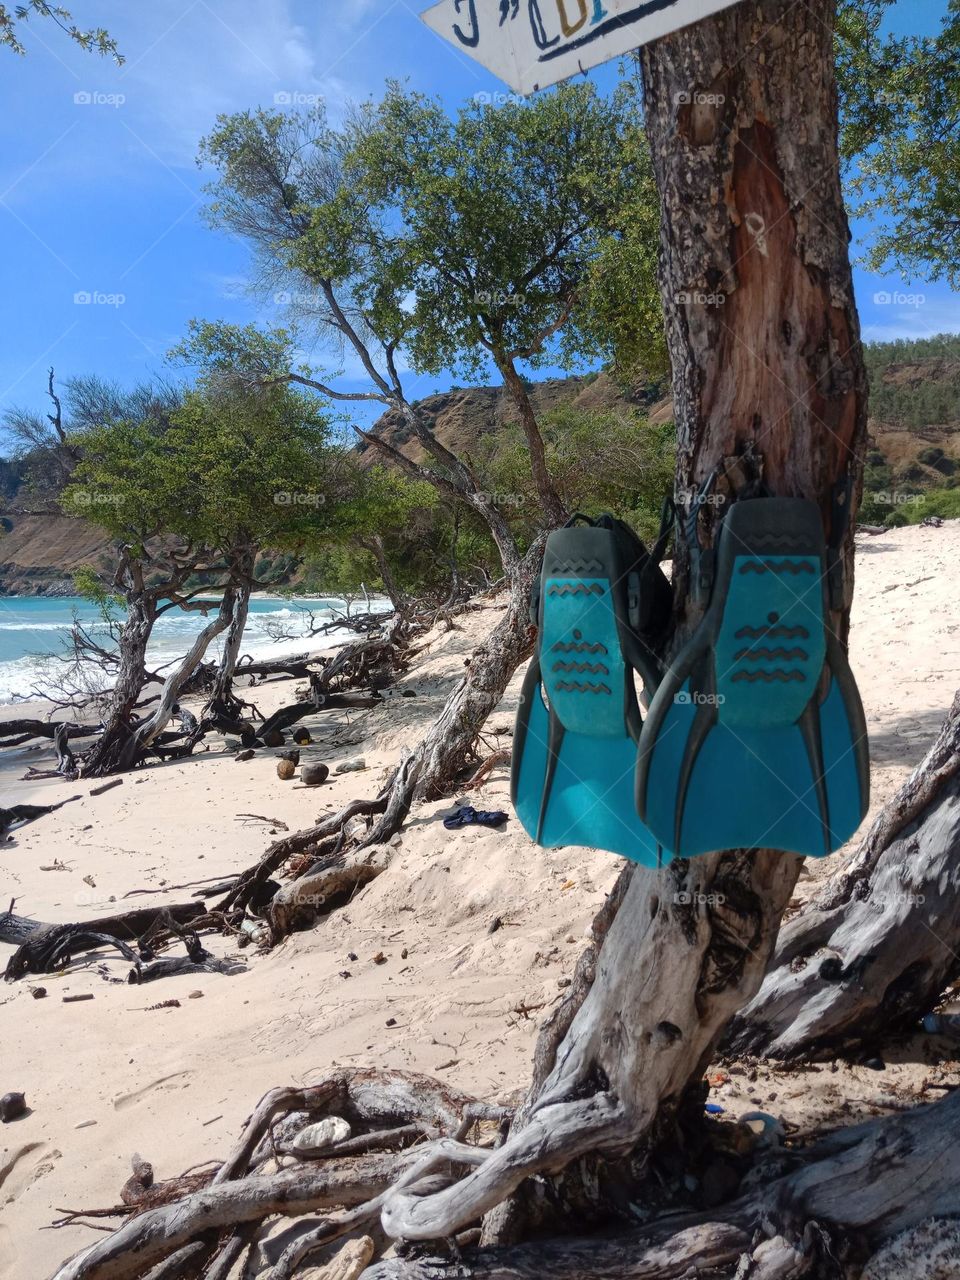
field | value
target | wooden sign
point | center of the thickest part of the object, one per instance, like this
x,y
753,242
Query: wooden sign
x,y
530,44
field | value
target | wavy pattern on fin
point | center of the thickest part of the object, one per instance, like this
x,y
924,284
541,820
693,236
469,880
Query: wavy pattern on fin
x,y
778,566
768,677
575,589
771,655
572,686
578,646
579,568
794,542
772,633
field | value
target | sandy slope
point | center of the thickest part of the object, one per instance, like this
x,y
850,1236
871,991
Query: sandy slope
x,y
174,1084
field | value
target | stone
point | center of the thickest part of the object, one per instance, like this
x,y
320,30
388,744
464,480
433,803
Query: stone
x,y
12,1107
322,1136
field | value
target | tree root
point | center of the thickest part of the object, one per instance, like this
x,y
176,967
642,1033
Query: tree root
x,y
43,948
239,1195
869,1183
860,1187
319,890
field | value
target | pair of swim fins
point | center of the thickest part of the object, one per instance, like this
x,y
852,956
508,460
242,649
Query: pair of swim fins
x,y
753,736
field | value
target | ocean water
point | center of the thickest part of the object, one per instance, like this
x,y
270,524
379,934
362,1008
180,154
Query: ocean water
x,y
34,632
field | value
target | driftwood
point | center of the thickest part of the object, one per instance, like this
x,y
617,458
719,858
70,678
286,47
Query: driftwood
x,y
24,730
179,966
873,952
236,1196
847,1194
43,948
289,715
21,813
325,837
320,889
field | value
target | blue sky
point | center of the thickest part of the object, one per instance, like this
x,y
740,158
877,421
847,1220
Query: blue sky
x,y
100,193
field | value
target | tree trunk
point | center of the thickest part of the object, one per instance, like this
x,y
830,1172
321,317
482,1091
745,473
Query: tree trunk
x,y
432,768
222,695
456,475
175,682
374,545
554,512
113,744
770,376
874,951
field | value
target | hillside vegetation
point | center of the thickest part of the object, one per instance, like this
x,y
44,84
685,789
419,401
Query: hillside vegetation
x,y
913,469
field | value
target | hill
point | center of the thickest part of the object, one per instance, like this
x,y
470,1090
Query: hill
x,y
913,464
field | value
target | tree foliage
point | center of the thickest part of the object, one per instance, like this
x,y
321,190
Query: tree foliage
x,y
601,460
224,469
91,39
900,98
506,226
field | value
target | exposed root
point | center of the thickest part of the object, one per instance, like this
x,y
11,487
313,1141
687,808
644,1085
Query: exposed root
x,y
240,1196
320,889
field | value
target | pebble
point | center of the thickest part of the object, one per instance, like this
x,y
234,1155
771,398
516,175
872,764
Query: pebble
x,y
248,754
311,775
12,1106
85,1124
351,766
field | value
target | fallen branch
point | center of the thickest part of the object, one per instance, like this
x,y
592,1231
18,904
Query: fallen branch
x,y
43,948
23,813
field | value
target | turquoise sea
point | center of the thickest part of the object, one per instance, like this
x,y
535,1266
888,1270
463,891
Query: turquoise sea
x,y
34,631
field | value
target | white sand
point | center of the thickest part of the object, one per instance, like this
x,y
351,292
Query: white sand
x,y
175,1084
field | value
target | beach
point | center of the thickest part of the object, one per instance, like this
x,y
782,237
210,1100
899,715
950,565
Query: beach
x,y
108,1077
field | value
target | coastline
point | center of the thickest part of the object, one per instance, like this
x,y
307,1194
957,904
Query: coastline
x,y
20,670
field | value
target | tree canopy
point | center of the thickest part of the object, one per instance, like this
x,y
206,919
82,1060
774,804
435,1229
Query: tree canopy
x,y
224,468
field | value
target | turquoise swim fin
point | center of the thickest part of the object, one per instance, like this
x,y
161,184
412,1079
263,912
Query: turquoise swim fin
x,y
756,736
601,603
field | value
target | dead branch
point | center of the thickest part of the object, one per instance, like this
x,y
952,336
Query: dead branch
x,y
43,948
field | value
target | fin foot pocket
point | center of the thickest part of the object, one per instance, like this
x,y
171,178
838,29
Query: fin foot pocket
x,y
756,736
